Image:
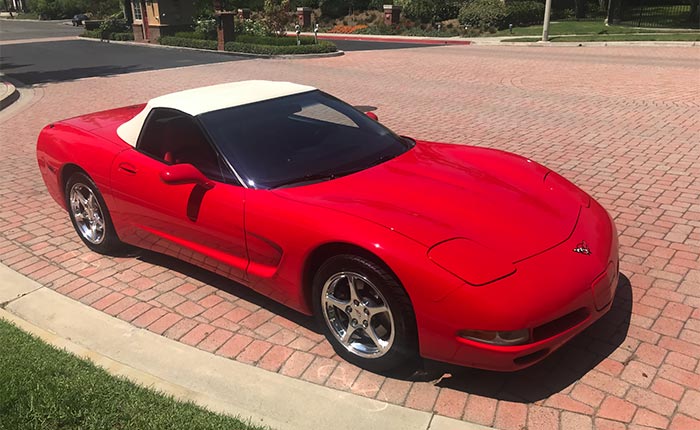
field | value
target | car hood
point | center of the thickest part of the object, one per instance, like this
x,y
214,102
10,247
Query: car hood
x,y
436,192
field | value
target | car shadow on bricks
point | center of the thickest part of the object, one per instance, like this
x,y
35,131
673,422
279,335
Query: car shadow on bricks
x,y
558,371
229,286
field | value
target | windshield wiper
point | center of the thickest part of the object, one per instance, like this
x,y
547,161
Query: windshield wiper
x,y
325,176
314,177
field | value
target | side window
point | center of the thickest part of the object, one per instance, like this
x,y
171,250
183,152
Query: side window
x,y
174,137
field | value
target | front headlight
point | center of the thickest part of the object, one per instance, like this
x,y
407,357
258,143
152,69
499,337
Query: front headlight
x,y
502,338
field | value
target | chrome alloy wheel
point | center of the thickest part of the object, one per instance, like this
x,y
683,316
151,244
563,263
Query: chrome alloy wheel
x,y
357,314
86,211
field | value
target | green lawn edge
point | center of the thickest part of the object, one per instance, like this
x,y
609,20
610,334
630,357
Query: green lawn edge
x,y
47,388
675,37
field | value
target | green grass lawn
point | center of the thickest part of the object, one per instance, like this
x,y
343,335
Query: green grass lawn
x,y
42,387
578,28
675,37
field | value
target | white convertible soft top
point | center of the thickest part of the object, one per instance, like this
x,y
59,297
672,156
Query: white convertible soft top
x,y
206,99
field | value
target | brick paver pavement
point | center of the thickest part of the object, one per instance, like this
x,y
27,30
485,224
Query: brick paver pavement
x,y
623,123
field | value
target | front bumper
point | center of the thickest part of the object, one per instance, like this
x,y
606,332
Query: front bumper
x,y
556,294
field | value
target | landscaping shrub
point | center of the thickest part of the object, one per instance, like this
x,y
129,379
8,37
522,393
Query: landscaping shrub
x,y
274,41
322,47
124,37
248,26
97,34
114,24
57,9
188,43
286,45
334,8
381,29
430,10
525,13
189,35
416,31
277,16
483,14
206,28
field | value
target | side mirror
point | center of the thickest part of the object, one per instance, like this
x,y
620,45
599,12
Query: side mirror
x,y
372,115
180,174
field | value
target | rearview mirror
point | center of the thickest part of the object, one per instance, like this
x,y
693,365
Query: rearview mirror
x,y
180,174
372,115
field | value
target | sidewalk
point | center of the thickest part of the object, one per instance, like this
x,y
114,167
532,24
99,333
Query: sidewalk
x,y
215,382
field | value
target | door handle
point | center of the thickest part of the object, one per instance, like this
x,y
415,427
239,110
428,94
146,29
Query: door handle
x,y
128,168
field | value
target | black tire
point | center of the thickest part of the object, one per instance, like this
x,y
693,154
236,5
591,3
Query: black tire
x,y
334,277
103,239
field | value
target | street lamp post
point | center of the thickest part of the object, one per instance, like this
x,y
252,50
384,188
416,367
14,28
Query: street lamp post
x,y
545,25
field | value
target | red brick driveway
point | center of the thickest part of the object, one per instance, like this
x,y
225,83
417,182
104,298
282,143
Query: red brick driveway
x,y
623,123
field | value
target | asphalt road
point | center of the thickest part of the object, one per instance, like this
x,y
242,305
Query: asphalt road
x,y
37,63
23,29
63,60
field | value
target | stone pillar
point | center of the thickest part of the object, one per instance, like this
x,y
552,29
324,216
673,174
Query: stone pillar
x,y
224,28
244,13
304,16
392,13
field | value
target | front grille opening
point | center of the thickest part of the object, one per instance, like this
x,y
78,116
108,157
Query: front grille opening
x,y
559,325
531,358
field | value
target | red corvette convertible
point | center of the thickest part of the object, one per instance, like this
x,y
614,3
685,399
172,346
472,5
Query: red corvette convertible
x,y
400,248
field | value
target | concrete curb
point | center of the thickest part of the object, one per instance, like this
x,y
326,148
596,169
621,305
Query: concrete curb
x,y
238,54
486,41
215,382
8,93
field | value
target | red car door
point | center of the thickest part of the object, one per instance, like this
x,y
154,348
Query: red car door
x,y
187,221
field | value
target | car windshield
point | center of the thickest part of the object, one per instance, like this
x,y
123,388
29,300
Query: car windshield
x,y
299,139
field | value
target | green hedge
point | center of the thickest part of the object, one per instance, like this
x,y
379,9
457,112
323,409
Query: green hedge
x,y
524,13
188,43
430,10
97,34
190,35
484,14
250,48
272,40
321,48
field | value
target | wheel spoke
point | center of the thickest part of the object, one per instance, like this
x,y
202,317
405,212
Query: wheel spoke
x,y
334,301
376,310
347,335
82,199
380,344
352,285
